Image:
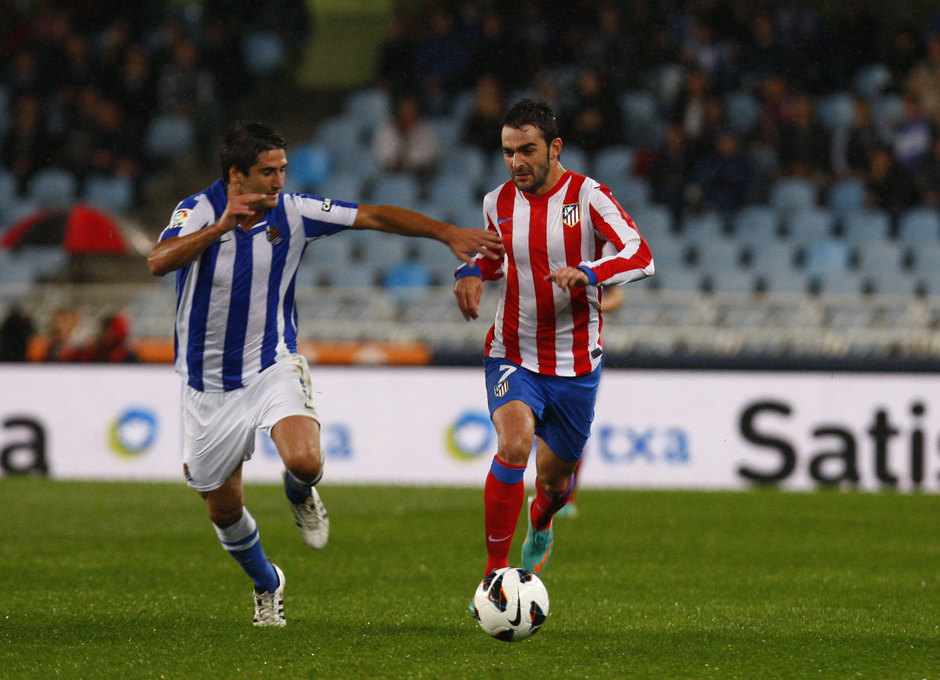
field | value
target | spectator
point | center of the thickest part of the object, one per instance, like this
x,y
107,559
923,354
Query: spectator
x,y
485,123
65,335
26,146
595,120
441,62
924,80
804,144
723,179
669,169
15,331
913,135
888,186
852,146
407,143
927,176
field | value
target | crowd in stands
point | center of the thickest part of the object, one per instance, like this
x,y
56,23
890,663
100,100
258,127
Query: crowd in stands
x,y
117,90
742,93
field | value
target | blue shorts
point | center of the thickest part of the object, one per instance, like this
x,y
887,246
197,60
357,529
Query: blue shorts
x,y
563,407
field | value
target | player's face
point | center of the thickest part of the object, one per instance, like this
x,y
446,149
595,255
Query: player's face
x,y
265,177
528,157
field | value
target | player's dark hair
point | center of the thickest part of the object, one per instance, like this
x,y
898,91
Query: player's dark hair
x,y
535,113
244,142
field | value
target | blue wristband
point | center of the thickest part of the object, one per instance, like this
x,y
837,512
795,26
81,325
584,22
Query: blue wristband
x,y
468,270
592,277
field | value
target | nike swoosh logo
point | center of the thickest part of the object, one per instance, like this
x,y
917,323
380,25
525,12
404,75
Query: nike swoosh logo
x,y
505,219
492,539
515,621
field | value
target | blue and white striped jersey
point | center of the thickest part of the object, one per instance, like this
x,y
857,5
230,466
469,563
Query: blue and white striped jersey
x,y
235,307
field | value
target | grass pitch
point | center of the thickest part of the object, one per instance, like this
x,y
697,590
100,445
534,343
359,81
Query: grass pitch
x,y
116,580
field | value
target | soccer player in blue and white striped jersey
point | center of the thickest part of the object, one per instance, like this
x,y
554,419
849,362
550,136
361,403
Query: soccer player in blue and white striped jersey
x,y
235,248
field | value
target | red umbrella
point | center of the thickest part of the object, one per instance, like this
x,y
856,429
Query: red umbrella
x,y
81,230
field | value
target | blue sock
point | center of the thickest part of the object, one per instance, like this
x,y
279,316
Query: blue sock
x,y
296,490
242,542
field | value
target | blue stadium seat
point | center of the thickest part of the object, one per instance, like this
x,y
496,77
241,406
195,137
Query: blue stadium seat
x,y
645,126
262,52
396,189
771,255
612,161
755,224
630,192
309,167
742,110
170,136
111,194
784,280
368,108
871,80
839,283
404,279
342,186
713,254
866,226
53,187
731,281
469,163
829,255
653,221
846,195
382,250
340,135
575,159
793,193
709,225
836,110
807,226
919,226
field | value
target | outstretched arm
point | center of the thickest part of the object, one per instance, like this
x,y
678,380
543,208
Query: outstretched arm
x,y
465,243
176,252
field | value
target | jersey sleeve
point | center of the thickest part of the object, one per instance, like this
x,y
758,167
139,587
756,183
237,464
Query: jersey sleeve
x,y
190,215
323,216
625,255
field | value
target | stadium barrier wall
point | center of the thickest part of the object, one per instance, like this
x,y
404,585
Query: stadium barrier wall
x,y
652,429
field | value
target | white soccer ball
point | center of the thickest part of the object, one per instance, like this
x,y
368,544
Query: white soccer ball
x,y
511,604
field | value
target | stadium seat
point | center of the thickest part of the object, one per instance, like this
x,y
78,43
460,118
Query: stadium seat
x,y
368,108
53,187
830,255
713,254
846,195
653,221
396,189
709,225
755,224
771,255
469,163
612,161
731,281
919,226
645,126
340,135
793,193
742,111
449,191
666,81
630,192
170,136
111,194
887,111
833,282
342,186
901,284
309,167
867,226
404,279
262,52
804,227
871,80
836,110
382,250
574,158
15,269
783,280
681,280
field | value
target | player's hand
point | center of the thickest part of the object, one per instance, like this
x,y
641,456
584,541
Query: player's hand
x,y
468,291
468,242
238,210
568,277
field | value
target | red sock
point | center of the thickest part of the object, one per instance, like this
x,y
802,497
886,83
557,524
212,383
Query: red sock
x,y
545,506
503,497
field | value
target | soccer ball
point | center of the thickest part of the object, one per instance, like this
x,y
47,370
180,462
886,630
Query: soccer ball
x,y
511,604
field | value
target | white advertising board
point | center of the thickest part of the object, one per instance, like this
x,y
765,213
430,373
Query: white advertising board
x,y
662,429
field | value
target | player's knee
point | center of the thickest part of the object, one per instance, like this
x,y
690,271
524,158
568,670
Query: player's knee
x,y
515,450
224,517
554,485
306,465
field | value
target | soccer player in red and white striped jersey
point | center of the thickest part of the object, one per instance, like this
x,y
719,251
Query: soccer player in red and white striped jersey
x,y
565,237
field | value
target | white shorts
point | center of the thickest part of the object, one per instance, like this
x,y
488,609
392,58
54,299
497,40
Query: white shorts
x,y
219,427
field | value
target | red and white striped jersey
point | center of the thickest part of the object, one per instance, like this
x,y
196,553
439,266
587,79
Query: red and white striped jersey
x,y
577,223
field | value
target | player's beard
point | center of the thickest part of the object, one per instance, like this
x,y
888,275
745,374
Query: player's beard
x,y
537,176
265,204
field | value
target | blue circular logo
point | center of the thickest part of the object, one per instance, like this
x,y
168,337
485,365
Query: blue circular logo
x,y
470,436
134,432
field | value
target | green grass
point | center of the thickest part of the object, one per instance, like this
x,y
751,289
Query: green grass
x,y
114,580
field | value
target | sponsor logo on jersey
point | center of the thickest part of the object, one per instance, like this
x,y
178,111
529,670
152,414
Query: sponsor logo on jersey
x,y
327,205
571,214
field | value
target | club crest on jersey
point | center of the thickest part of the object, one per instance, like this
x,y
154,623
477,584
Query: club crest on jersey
x,y
274,236
571,214
501,388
